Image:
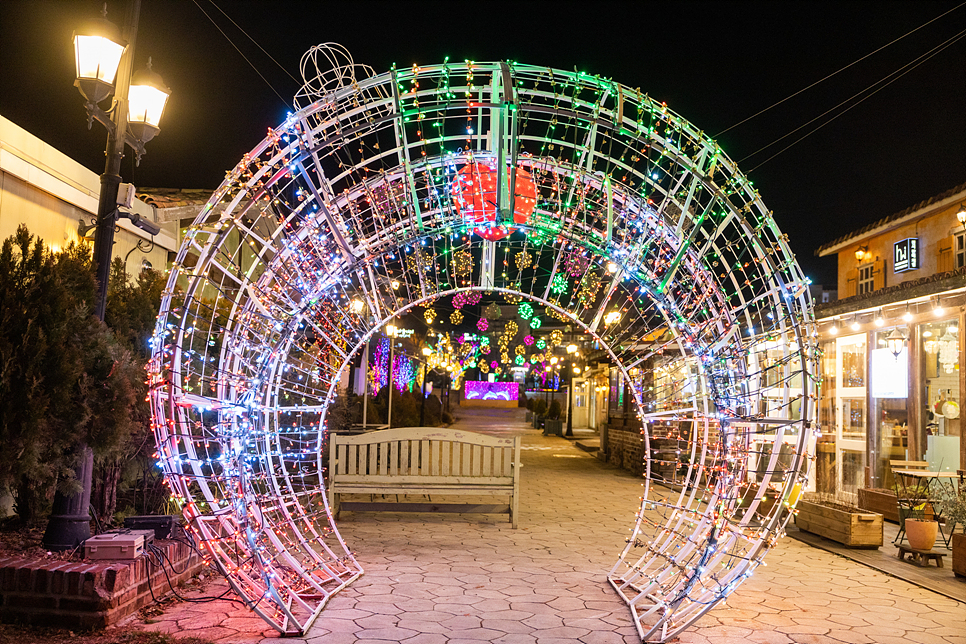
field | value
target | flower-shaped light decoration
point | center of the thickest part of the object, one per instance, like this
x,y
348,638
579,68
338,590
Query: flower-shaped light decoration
x,y
510,330
523,260
463,263
576,264
482,325
492,311
456,317
525,310
535,322
429,315
528,340
541,344
556,337
520,361
559,284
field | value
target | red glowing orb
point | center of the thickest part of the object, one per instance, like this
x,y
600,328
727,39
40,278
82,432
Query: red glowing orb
x,y
475,195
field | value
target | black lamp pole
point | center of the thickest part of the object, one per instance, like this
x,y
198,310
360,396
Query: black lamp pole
x,y
422,395
570,404
70,520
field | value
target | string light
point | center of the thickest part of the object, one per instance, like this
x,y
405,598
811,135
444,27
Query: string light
x,y
258,329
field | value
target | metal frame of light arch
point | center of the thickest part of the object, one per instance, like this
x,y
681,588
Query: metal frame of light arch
x,y
352,191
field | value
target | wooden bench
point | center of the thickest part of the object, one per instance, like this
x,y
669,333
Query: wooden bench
x,y
424,461
909,465
921,557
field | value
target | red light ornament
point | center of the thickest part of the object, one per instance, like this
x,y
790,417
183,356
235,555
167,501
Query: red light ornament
x,y
475,196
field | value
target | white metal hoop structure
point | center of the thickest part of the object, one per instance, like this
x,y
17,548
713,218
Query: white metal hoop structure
x,y
641,232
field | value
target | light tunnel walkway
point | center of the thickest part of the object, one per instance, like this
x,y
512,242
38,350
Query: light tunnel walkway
x,y
477,185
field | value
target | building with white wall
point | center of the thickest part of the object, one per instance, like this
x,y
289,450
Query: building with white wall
x,y
54,195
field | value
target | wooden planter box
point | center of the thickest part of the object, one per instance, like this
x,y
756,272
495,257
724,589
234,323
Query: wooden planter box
x,y
959,554
553,427
880,500
850,528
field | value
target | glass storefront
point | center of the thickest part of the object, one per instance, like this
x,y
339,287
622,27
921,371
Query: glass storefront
x,y
882,402
890,402
941,404
850,414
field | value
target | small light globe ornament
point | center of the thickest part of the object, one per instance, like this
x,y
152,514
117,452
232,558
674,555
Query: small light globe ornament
x,y
475,198
98,47
147,97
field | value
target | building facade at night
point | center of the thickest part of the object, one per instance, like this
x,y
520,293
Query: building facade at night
x,y
892,382
56,197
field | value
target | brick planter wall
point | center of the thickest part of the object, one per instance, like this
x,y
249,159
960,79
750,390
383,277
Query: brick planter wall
x,y
625,449
87,594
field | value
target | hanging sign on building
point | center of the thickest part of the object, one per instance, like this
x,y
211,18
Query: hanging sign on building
x,y
905,255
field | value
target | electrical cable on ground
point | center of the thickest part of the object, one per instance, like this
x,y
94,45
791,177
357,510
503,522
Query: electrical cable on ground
x,y
157,557
836,72
905,69
260,75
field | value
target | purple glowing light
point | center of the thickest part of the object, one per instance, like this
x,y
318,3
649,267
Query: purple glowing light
x,y
483,390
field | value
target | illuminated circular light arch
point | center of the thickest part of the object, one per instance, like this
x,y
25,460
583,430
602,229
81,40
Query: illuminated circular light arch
x,y
644,234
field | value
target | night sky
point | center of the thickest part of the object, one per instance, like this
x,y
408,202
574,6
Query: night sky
x,y
713,63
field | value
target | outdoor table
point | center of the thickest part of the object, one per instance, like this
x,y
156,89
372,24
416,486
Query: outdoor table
x,y
915,486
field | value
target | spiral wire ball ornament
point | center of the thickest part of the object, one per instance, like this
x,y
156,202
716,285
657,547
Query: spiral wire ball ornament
x,y
685,283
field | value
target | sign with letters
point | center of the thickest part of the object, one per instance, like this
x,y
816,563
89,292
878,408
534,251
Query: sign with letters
x,y
905,255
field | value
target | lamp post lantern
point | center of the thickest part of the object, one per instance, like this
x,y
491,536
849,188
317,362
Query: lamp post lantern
x,y
104,60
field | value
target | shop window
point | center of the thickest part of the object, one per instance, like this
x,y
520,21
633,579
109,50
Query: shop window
x,y
940,416
866,279
960,249
889,378
850,413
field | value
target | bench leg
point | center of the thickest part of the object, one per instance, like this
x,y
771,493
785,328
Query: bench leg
x,y
513,511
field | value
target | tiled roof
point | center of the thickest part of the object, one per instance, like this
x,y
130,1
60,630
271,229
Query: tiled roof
x,y
899,215
175,197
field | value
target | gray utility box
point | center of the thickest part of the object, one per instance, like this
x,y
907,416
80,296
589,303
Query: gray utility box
x,y
114,546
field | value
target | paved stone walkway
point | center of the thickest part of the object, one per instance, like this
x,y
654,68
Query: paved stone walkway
x,y
455,579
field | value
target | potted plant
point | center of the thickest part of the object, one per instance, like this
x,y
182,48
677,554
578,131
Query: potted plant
x,y
919,519
954,508
539,411
553,423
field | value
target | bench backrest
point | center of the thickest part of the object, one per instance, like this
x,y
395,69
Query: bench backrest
x,y
416,454
909,465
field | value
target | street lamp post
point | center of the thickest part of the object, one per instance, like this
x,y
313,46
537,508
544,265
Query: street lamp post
x,y
102,54
571,350
391,332
422,403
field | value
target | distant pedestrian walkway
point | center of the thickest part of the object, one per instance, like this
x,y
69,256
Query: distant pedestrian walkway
x,y
445,578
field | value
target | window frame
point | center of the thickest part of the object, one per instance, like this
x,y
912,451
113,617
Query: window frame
x,y
959,249
865,282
